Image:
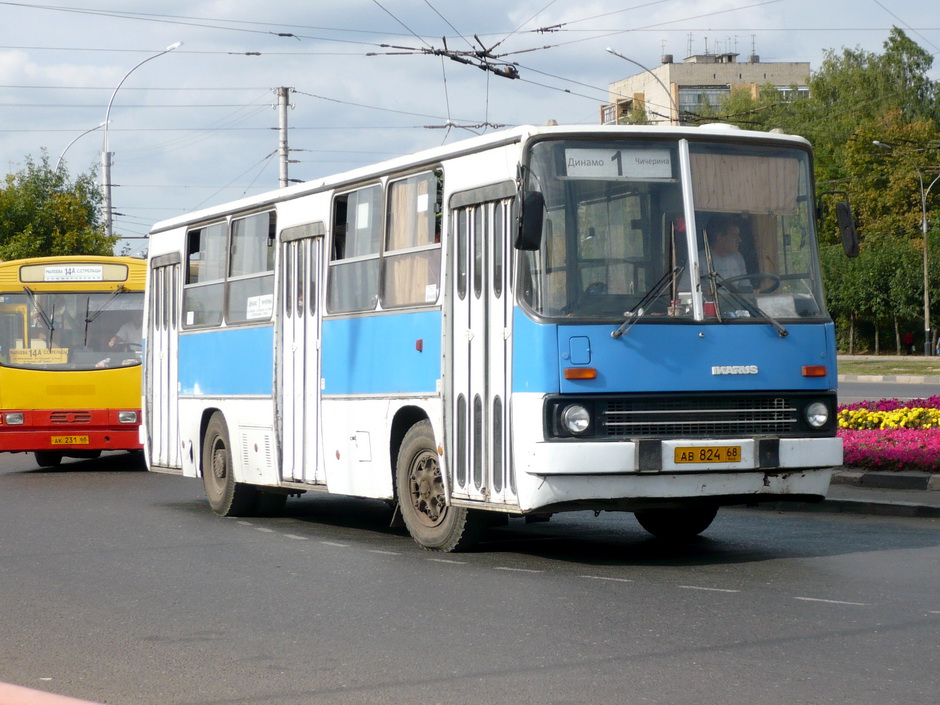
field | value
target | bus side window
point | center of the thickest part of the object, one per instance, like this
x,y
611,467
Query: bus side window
x,y
353,283
412,246
205,275
251,274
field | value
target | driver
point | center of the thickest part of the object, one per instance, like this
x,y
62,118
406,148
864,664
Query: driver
x,y
127,334
724,238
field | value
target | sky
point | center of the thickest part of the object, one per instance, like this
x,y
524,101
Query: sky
x,y
368,79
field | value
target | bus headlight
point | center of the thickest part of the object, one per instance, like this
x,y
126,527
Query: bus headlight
x,y
576,419
14,418
127,417
817,414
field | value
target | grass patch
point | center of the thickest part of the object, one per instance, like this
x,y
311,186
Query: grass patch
x,y
926,366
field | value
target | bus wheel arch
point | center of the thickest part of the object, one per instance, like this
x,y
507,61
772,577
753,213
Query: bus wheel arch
x,y
226,496
434,523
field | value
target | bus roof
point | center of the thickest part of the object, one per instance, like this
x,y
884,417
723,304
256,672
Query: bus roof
x,y
473,144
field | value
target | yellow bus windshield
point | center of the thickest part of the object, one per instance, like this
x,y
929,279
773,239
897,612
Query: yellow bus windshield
x,y
70,330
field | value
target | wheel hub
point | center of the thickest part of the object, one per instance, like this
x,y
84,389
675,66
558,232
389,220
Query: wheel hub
x,y
427,488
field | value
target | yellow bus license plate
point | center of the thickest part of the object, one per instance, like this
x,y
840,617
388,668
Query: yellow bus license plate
x,y
708,454
69,440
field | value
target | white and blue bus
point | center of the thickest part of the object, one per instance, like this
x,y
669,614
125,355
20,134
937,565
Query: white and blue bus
x,y
524,323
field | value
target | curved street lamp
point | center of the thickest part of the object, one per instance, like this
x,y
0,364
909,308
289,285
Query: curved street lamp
x,y
59,160
923,227
672,100
105,153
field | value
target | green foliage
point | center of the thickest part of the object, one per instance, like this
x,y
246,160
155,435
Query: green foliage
x,y
43,213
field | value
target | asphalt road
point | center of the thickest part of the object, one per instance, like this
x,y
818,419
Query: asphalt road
x,y
850,392
120,586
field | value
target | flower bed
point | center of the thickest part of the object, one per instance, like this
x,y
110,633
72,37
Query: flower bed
x,y
890,434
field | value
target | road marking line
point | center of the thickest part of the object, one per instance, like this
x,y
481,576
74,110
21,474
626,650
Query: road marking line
x,y
519,570
245,523
709,589
933,611
384,553
831,602
333,543
604,577
295,536
445,560
264,529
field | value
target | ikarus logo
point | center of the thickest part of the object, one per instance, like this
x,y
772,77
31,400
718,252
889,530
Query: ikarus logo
x,y
735,370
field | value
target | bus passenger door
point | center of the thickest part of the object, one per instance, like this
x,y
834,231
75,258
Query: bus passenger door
x,y
162,390
298,379
481,308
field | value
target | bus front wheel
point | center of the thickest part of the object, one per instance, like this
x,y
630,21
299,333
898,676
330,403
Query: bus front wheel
x,y
226,497
676,524
47,458
432,522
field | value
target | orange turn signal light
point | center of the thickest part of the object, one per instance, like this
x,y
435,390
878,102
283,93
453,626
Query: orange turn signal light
x,y
814,370
580,373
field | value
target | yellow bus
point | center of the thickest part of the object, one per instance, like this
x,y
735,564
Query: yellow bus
x,y
70,354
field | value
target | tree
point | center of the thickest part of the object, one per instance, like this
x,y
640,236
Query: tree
x,y
856,86
43,212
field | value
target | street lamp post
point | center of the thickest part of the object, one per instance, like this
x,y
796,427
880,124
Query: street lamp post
x,y
59,160
105,153
672,101
923,227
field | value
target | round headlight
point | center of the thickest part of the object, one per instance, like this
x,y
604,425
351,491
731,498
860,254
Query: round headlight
x,y
817,414
576,419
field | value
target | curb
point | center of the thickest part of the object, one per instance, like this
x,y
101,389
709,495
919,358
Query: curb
x,y
896,379
873,496
860,506
887,480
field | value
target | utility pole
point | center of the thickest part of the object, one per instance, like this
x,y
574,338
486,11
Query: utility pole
x,y
283,103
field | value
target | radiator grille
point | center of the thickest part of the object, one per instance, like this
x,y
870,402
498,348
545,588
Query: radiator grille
x,y
689,418
70,417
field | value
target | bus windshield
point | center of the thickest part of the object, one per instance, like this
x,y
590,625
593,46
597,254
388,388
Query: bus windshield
x,y
627,233
70,331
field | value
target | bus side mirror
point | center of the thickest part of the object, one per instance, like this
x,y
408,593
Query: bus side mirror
x,y
529,236
847,228
845,220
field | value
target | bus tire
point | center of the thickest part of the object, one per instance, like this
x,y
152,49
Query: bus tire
x,y
432,522
676,524
226,497
47,458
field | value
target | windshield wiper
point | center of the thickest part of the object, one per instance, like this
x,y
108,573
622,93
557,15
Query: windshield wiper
x,y
753,309
89,317
635,313
48,321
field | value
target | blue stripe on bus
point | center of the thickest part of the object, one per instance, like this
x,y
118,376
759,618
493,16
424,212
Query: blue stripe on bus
x,y
664,358
379,354
227,361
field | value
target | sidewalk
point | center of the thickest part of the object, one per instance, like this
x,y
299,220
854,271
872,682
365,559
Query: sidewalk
x,y
855,491
896,379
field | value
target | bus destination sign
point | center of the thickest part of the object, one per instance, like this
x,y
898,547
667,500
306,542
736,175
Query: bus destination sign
x,y
74,273
618,163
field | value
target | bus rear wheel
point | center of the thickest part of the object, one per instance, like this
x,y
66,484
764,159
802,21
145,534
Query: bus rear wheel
x,y
432,522
676,524
226,497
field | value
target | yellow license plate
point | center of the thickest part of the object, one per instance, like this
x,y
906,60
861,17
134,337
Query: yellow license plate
x,y
708,454
69,440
